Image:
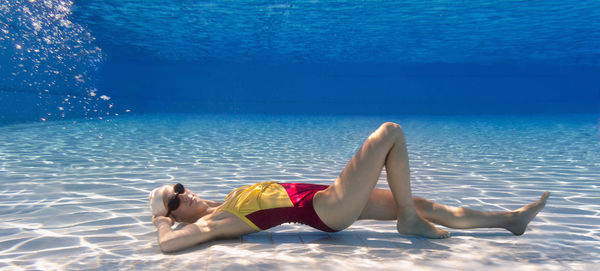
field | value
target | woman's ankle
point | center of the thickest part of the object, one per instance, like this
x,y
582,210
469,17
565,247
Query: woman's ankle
x,y
407,212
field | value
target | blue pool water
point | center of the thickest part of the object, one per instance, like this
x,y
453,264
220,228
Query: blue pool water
x,y
101,101
297,57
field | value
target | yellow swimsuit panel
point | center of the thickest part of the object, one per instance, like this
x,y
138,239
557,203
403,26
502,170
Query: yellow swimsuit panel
x,y
249,199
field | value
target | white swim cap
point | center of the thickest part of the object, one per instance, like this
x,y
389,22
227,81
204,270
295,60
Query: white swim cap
x,y
157,205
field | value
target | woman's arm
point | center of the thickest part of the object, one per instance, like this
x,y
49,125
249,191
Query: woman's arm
x,y
214,226
170,240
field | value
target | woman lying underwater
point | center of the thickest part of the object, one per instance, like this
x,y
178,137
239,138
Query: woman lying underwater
x,y
351,197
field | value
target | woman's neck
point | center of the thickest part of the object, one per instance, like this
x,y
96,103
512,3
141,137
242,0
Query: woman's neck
x,y
208,207
213,204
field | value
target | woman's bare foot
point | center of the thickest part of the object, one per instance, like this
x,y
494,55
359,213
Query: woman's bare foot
x,y
522,216
413,224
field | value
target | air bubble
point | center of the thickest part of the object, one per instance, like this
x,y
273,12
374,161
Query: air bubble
x,y
46,42
36,26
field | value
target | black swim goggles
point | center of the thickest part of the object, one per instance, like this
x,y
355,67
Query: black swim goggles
x,y
174,201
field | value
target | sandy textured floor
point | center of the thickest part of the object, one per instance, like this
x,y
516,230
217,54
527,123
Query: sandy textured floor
x,y
75,194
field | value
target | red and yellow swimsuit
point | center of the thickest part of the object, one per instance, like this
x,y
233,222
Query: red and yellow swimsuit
x,y
268,204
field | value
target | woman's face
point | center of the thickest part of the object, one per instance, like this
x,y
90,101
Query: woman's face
x,y
190,206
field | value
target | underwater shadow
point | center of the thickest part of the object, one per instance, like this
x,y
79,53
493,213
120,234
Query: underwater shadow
x,y
381,240
482,234
341,241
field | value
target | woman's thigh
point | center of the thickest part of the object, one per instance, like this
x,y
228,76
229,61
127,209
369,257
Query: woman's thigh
x,y
342,202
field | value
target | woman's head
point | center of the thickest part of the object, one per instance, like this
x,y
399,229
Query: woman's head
x,y
177,202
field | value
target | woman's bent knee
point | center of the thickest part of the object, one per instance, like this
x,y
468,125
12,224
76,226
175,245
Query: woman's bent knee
x,y
390,125
391,130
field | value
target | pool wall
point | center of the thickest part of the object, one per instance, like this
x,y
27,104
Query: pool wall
x,y
357,88
151,86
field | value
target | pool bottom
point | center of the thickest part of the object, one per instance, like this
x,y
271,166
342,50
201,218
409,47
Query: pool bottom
x,y
75,194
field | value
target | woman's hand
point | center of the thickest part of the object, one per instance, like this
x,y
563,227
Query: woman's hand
x,y
156,220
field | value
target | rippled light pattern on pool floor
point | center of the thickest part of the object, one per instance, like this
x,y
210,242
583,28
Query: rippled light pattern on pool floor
x,y
75,195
